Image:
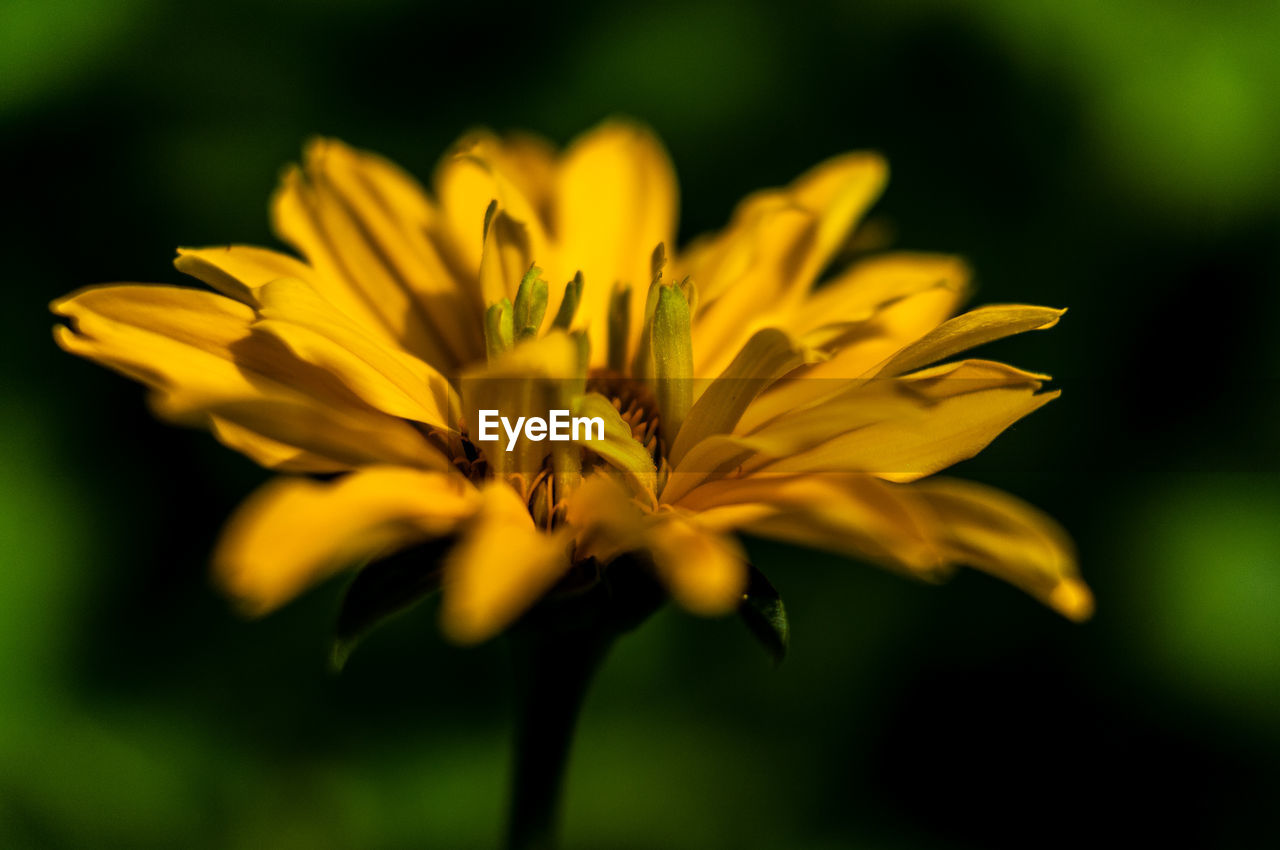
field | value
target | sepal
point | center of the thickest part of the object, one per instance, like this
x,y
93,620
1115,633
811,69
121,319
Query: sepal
x,y
382,590
762,611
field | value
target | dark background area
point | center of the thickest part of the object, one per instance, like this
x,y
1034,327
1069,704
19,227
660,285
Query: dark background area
x,y
1118,159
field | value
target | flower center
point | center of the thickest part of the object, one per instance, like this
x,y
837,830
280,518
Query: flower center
x,y
637,405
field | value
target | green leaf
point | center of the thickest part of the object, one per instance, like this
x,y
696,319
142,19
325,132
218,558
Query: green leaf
x,y
765,615
382,590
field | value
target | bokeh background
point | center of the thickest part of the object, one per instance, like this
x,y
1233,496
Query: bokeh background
x,y
1117,158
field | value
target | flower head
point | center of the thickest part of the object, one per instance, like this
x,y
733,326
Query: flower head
x,y
740,383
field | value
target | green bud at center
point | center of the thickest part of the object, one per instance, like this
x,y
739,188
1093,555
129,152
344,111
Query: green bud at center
x,y
671,340
499,336
531,304
569,306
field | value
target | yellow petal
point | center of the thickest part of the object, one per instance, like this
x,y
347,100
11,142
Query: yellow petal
x,y
859,348
196,351
705,571
398,192
354,270
970,329
350,437
854,515
271,453
505,258
187,345
756,291
390,380
294,533
467,181
529,162
604,518
756,273
901,431
839,190
926,528
615,200
619,448
296,219
868,286
769,354
897,429
863,346
984,528
834,195
240,270
501,567
394,216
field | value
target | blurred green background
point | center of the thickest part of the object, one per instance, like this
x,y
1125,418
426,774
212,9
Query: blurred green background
x,y
1117,158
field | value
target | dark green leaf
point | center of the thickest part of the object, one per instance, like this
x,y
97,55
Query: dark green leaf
x,y
765,615
384,589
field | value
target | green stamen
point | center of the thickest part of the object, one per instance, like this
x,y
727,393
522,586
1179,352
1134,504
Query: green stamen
x,y
579,384
619,325
672,343
499,334
657,260
569,306
531,304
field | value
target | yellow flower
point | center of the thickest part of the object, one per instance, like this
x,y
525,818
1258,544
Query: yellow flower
x,y
739,389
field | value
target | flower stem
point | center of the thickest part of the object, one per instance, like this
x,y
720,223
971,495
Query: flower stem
x,y
553,669
557,648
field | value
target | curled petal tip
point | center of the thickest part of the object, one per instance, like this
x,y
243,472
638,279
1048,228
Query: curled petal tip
x,y
1073,599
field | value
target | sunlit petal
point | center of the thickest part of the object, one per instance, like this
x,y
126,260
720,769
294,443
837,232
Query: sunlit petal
x,y
293,532
501,566
615,200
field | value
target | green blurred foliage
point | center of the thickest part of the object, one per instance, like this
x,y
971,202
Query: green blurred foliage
x,y
1179,96
1113,157
1211,623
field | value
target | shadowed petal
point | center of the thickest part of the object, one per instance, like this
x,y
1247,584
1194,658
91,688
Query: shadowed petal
x,y
985,528
387,378
467,182
769,354
364,264
239,271
271,453
760,282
